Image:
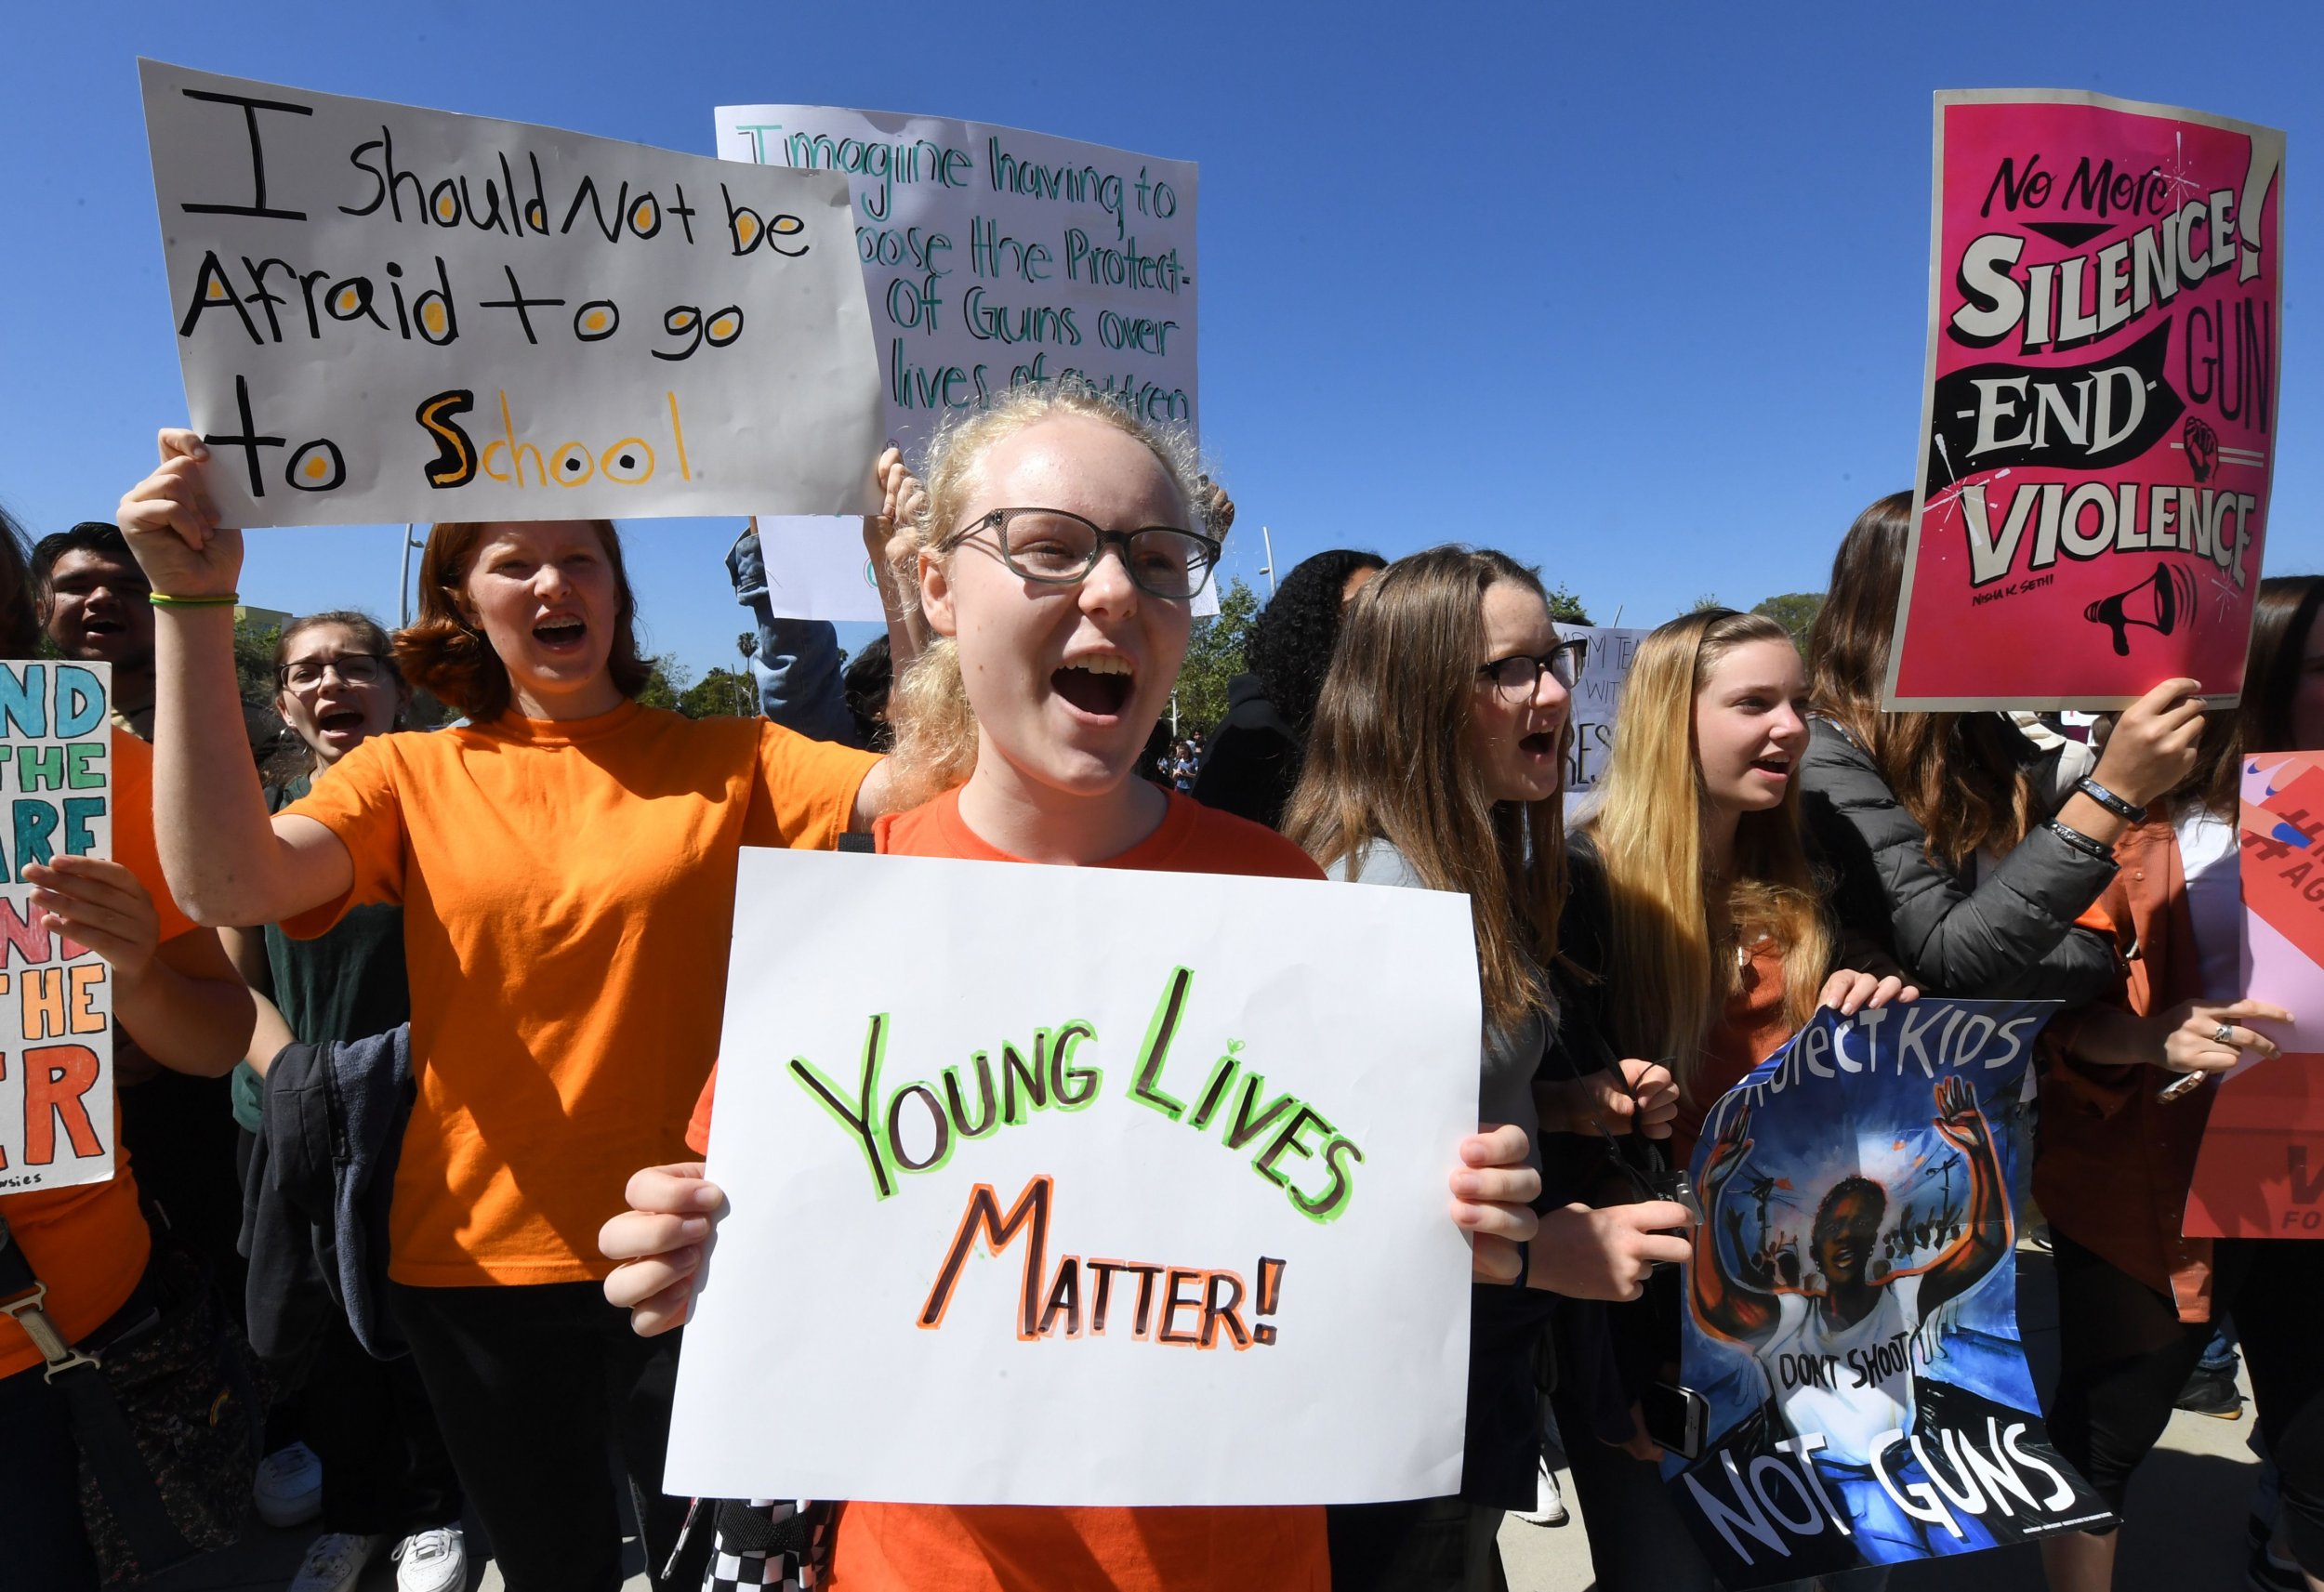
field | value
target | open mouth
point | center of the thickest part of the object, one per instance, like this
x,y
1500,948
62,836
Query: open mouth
x,y
339,720
1097,686
1540,744
562,634
102,626
1775,767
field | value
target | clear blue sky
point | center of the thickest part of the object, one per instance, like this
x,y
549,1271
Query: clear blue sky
x,y
1636,293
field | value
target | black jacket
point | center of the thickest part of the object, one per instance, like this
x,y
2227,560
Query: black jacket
x,y
315,1198
1252,760
2010,935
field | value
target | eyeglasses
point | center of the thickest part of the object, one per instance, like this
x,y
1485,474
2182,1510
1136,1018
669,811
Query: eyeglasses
x,y
1519,676
1057,548
353,669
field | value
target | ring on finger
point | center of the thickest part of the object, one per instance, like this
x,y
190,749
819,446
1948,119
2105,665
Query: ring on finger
x,y
2223,1034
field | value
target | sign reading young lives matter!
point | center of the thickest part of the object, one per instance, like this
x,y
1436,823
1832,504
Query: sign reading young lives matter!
x,y
2260,1170
2098,423
56,997
1851,1315
1127,1189
993,256
390,313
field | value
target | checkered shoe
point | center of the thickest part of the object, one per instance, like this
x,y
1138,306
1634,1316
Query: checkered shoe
x,y
782,1545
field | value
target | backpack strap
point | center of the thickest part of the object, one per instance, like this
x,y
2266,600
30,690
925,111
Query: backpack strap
x,y
99,1428
855,841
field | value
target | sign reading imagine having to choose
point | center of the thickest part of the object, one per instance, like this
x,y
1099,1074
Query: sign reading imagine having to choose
x,y
391,313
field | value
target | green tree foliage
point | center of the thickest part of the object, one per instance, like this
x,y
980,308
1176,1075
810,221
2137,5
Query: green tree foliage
x,y
254,659
1214,656
721,694
1795,611
668,678
1566,608
1704,603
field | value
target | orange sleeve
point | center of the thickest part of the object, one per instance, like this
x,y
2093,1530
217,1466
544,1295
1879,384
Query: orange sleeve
x,y
359,803
698,1126
133,829
804,794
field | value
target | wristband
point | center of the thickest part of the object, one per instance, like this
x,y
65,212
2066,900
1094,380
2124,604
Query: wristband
x,y
163,599
2089,846
2126,812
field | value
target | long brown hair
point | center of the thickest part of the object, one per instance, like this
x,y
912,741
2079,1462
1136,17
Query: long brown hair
x,y
444,654
1956,775
2282,615
1676,929
1387,760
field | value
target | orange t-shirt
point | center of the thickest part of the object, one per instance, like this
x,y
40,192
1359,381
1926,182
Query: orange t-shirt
x,y
568,895
89,1242
945,1547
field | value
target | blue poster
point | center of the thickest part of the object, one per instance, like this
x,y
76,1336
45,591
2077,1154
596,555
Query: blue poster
x,y
1851,1314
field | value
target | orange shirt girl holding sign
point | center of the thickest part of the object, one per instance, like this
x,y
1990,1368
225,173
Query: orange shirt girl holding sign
x,y
1057,560
565,862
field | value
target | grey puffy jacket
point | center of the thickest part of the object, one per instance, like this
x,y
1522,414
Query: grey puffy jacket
x,y
2010,935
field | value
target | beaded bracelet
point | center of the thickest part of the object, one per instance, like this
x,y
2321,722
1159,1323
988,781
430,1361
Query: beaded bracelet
x,y
163,599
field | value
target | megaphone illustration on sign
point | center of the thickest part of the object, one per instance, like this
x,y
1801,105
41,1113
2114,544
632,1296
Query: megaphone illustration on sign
x,y
2156,603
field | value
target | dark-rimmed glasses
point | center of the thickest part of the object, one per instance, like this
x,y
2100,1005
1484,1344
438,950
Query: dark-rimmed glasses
x,y
1518,676
1057,548
353,669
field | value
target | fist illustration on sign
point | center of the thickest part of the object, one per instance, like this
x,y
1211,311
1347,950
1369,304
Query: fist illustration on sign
x,y
2202,447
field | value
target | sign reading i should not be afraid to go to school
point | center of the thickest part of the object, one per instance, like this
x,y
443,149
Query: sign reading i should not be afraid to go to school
x,y
2099,422
56,997
1127,1189
391,313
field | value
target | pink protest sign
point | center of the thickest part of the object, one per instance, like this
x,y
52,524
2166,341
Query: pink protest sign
x,y
2098,421
2259,1173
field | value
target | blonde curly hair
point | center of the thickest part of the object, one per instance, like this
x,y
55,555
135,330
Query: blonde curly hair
x,y
935,728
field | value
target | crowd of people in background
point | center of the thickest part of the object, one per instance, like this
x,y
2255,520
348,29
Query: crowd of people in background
x,y
448,956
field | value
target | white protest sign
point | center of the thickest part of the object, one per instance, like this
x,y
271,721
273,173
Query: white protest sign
x,y
56,997
1596,695
391,313
1147,1204
992,256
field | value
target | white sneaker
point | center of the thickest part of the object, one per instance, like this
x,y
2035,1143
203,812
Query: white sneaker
x,y
335,1562
432,1560
1548,1501
288,1489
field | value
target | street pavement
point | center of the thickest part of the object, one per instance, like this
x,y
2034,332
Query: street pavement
x,y
2185,1529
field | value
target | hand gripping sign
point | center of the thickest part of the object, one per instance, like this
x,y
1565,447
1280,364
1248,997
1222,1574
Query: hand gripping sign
x,y
388,313
1103,1188
2099,422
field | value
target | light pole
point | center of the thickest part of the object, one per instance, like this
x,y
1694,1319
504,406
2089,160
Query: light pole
x,y
1268,569
403,598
